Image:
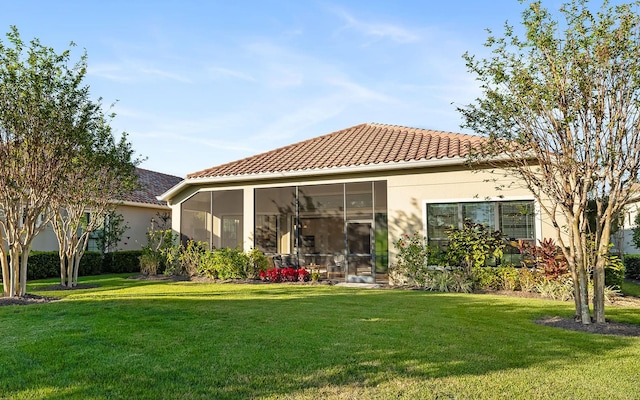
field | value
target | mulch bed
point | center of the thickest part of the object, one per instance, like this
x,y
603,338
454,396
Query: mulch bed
x,y
609,328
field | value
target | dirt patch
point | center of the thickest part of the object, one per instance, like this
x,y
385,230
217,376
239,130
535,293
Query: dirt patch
x,y
78,286
26,300
35,299
608,328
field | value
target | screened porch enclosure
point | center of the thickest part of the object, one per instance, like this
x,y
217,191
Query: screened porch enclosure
x,y
213,217
339,230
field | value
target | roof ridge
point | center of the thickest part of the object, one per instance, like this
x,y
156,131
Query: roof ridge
x,y
413,128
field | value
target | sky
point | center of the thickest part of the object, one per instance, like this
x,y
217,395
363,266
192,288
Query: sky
x,y
196,84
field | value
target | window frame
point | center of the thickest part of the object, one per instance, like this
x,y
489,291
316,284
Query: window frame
x,y
440,241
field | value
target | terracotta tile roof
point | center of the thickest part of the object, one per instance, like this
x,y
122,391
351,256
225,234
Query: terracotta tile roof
x,y
152,184
360,145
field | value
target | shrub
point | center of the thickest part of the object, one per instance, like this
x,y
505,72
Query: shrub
x,y
121,261
148,264
632,266
186,260
508,275
554,264
614,271
90,264
257,262
528,279
560,288
487,278
46,264
444,280
473,245
413,257
230,263
160,243
462,282
43,264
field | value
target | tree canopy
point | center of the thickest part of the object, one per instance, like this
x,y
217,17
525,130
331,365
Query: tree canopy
x,y
560,105
50,128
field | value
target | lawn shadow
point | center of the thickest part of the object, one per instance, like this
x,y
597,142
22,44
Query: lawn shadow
x,y
225,341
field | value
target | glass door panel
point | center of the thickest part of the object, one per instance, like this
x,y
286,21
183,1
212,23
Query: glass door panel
x,y
359,255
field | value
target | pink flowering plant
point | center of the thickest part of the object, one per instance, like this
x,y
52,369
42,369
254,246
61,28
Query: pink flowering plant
x,y
288,274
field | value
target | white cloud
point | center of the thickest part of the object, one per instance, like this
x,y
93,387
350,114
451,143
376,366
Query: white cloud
x,y
133,71
379,30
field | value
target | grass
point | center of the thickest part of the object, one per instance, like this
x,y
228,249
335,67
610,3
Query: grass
x,y
630,288
154,340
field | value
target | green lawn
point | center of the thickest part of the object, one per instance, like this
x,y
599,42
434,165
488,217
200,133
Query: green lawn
x,y
630,288
180,340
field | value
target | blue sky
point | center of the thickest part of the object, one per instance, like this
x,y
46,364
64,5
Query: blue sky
x,y
201,83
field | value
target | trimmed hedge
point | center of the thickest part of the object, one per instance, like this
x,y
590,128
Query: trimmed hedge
x,y
121,261
46,264
632,266
43,264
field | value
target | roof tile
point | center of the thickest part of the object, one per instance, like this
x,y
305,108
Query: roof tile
x,y
152,184
363,144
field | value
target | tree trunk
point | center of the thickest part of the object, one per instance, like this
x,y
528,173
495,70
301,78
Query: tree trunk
x,y
23,269
63,271
598,291
599,270
13,271
5,268
583,282
76,267
69,271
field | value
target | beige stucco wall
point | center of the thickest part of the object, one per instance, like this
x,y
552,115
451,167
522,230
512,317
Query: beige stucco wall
x,y
139,221
137,217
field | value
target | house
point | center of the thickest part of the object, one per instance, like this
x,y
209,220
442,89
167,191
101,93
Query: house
x,y
338,202
622,238
138,209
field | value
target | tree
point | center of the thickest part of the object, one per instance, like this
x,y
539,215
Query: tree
x,y
41,104
110,234
560,106
104,172
47,127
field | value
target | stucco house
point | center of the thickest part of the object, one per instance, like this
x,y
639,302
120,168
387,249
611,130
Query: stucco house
x,y
338,202
622,239
137,209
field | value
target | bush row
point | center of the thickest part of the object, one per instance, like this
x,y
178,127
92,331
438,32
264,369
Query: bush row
x,y
46,264
632,265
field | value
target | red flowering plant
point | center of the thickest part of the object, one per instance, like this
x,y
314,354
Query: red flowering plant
x,y
288,274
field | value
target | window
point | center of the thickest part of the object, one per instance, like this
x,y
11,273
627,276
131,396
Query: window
x,y
515,219
441,217
214,218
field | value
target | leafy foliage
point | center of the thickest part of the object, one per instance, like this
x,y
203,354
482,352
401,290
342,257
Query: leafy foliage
x,y
632,266
159,247
412,258
195,258
111,233
559,110
471,246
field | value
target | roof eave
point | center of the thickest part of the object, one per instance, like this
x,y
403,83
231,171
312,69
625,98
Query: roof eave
x,y
143,205
393,166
